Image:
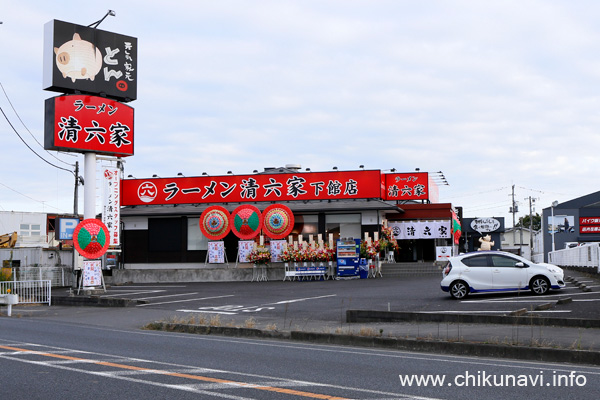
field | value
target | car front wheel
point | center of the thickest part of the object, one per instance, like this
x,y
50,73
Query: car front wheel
x,y
459,290
539,285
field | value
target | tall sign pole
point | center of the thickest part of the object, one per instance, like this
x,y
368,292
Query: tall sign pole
x,y
96,73
89,187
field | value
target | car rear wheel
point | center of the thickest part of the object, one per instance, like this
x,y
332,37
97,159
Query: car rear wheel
x,y
459,290
539,285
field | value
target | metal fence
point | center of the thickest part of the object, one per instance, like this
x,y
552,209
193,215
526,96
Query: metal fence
x,y
587,256
30,292
58,276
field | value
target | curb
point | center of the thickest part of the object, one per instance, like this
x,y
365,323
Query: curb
x,y
94,301
364,316
417,345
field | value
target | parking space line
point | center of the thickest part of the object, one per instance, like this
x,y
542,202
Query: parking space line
x,y
303,299
168,295
153,286
181,301
208,312
128,293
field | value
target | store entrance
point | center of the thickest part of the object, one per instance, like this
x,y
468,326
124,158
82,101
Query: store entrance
x,y
416,250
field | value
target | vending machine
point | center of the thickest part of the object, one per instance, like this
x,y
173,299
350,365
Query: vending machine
x,y
348,257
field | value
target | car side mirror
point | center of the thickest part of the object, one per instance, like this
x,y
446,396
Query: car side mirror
x,y
520,264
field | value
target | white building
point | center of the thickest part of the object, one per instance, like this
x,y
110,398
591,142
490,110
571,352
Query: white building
x,y
31,228
517,240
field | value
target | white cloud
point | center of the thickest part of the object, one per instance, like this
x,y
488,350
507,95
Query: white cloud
x,y
492,93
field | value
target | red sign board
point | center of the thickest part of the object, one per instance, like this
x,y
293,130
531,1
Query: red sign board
x,y
247,188
80,123
589,224
589,220
407,186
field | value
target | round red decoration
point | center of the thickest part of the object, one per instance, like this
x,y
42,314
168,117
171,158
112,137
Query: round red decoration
x,y
278,221
214,222
246,221
91,238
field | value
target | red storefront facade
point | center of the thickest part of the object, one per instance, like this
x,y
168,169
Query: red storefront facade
x,y
161,215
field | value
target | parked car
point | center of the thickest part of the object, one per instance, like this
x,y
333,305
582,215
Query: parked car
x,y
498,271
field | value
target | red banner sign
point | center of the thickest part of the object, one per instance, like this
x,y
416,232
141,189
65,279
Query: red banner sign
x,y
589,220
88,124
407,186
251,188
589,224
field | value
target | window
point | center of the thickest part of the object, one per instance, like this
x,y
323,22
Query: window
x,y
343,225
30,230
306,225
502,261
164,234
195,239
476,261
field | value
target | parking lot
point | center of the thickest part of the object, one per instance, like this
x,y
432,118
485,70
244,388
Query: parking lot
x,y
328,300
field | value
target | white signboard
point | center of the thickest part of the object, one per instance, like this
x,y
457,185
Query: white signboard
x,y
111,215
245,247
420,229
482,225
216,252
443,253
277,247
92,273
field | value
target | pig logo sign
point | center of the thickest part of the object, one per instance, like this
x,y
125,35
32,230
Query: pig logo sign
x,y
83,60
78,59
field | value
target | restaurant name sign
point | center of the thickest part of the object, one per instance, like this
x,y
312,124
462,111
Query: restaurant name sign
x,y
258,187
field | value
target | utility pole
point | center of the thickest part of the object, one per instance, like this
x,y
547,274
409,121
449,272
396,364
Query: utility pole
x,y
513,210
531,201
76,193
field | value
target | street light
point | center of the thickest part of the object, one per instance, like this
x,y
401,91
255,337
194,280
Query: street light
x,y
554,204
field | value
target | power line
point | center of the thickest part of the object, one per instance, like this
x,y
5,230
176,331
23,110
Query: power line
x,y
25,126
30,198
29,147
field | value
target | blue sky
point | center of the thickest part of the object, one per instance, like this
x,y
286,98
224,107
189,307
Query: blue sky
x,y
494,93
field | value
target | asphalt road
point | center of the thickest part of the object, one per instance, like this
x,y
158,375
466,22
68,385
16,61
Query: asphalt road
x,y
289,303
41,358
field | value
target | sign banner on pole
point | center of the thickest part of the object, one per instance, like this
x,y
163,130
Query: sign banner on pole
x,y
111,215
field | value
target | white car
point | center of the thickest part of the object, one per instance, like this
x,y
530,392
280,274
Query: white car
x,y
498,271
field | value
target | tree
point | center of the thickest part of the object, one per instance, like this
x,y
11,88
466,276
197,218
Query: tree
x,y
537,222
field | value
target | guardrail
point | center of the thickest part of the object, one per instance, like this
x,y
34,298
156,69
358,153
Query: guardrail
x,y
587,256
30,292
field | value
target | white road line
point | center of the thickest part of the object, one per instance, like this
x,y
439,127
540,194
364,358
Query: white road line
x,y
129,293
181,301
245,381
208,312
303,299
153,286
169,295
